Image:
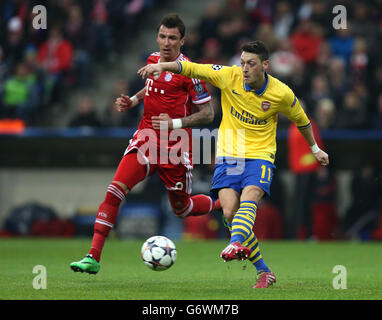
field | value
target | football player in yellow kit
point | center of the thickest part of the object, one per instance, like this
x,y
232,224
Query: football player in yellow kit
x,y
251,100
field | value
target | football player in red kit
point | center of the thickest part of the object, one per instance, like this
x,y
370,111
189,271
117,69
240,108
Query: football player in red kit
x,y
160,145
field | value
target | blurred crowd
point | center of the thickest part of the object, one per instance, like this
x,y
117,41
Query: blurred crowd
x,y
39,66
336,73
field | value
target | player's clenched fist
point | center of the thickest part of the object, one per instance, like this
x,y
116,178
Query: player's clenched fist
x,y
163,121
150,70
124,103
322,157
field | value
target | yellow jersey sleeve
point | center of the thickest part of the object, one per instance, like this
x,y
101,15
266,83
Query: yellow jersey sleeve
x,y
292,109
219,76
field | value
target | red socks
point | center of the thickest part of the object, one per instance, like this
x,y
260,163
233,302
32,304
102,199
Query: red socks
x,y
202,204
106,217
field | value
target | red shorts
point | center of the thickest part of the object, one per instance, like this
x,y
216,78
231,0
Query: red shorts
x,y
141,161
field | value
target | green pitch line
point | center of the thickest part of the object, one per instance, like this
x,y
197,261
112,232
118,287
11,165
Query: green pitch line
x,y
303,270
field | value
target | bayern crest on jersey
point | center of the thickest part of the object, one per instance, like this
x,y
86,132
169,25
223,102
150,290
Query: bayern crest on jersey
x,y
265,105
168,76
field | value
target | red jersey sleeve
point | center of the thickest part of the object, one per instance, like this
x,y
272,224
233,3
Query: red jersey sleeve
x,y
198,91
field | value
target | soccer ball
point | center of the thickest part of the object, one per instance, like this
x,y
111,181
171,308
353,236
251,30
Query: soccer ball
x,y
158,253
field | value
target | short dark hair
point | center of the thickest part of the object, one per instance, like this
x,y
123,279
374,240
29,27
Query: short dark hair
x,y
172,20
258,47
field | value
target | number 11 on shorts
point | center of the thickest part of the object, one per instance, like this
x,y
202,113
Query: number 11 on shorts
x,y
264,172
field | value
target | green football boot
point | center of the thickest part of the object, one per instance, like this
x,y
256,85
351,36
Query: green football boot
x,y
87,264
226,223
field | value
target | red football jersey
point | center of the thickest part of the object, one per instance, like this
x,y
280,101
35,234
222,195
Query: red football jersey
x,y
171,93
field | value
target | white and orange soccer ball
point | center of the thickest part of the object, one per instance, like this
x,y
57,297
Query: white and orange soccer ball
x,y
158,253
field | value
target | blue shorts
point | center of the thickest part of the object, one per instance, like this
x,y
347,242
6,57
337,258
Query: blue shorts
x,y
239,173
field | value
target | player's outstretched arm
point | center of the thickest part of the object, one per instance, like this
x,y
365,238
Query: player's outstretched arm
x,y
321,156
125,102
156,69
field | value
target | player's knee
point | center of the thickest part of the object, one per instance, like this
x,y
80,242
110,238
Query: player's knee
x,y
179,205
179,208
252,193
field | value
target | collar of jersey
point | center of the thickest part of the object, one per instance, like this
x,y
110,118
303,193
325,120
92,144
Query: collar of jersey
x,y
177,58
261,90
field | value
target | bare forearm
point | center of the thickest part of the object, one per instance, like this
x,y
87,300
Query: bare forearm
x,y
308,135
320,155
156,69
203,117
138,97
170,66
141,95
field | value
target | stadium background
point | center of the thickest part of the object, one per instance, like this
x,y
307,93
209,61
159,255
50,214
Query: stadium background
x,y
61,140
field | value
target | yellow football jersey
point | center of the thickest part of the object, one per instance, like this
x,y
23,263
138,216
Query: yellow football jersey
x,y
249,117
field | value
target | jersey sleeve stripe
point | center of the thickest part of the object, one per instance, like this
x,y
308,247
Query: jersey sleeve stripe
x,y
294,102
202,100
306,126
180,67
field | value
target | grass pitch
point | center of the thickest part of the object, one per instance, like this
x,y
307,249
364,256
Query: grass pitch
x,y
304,271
